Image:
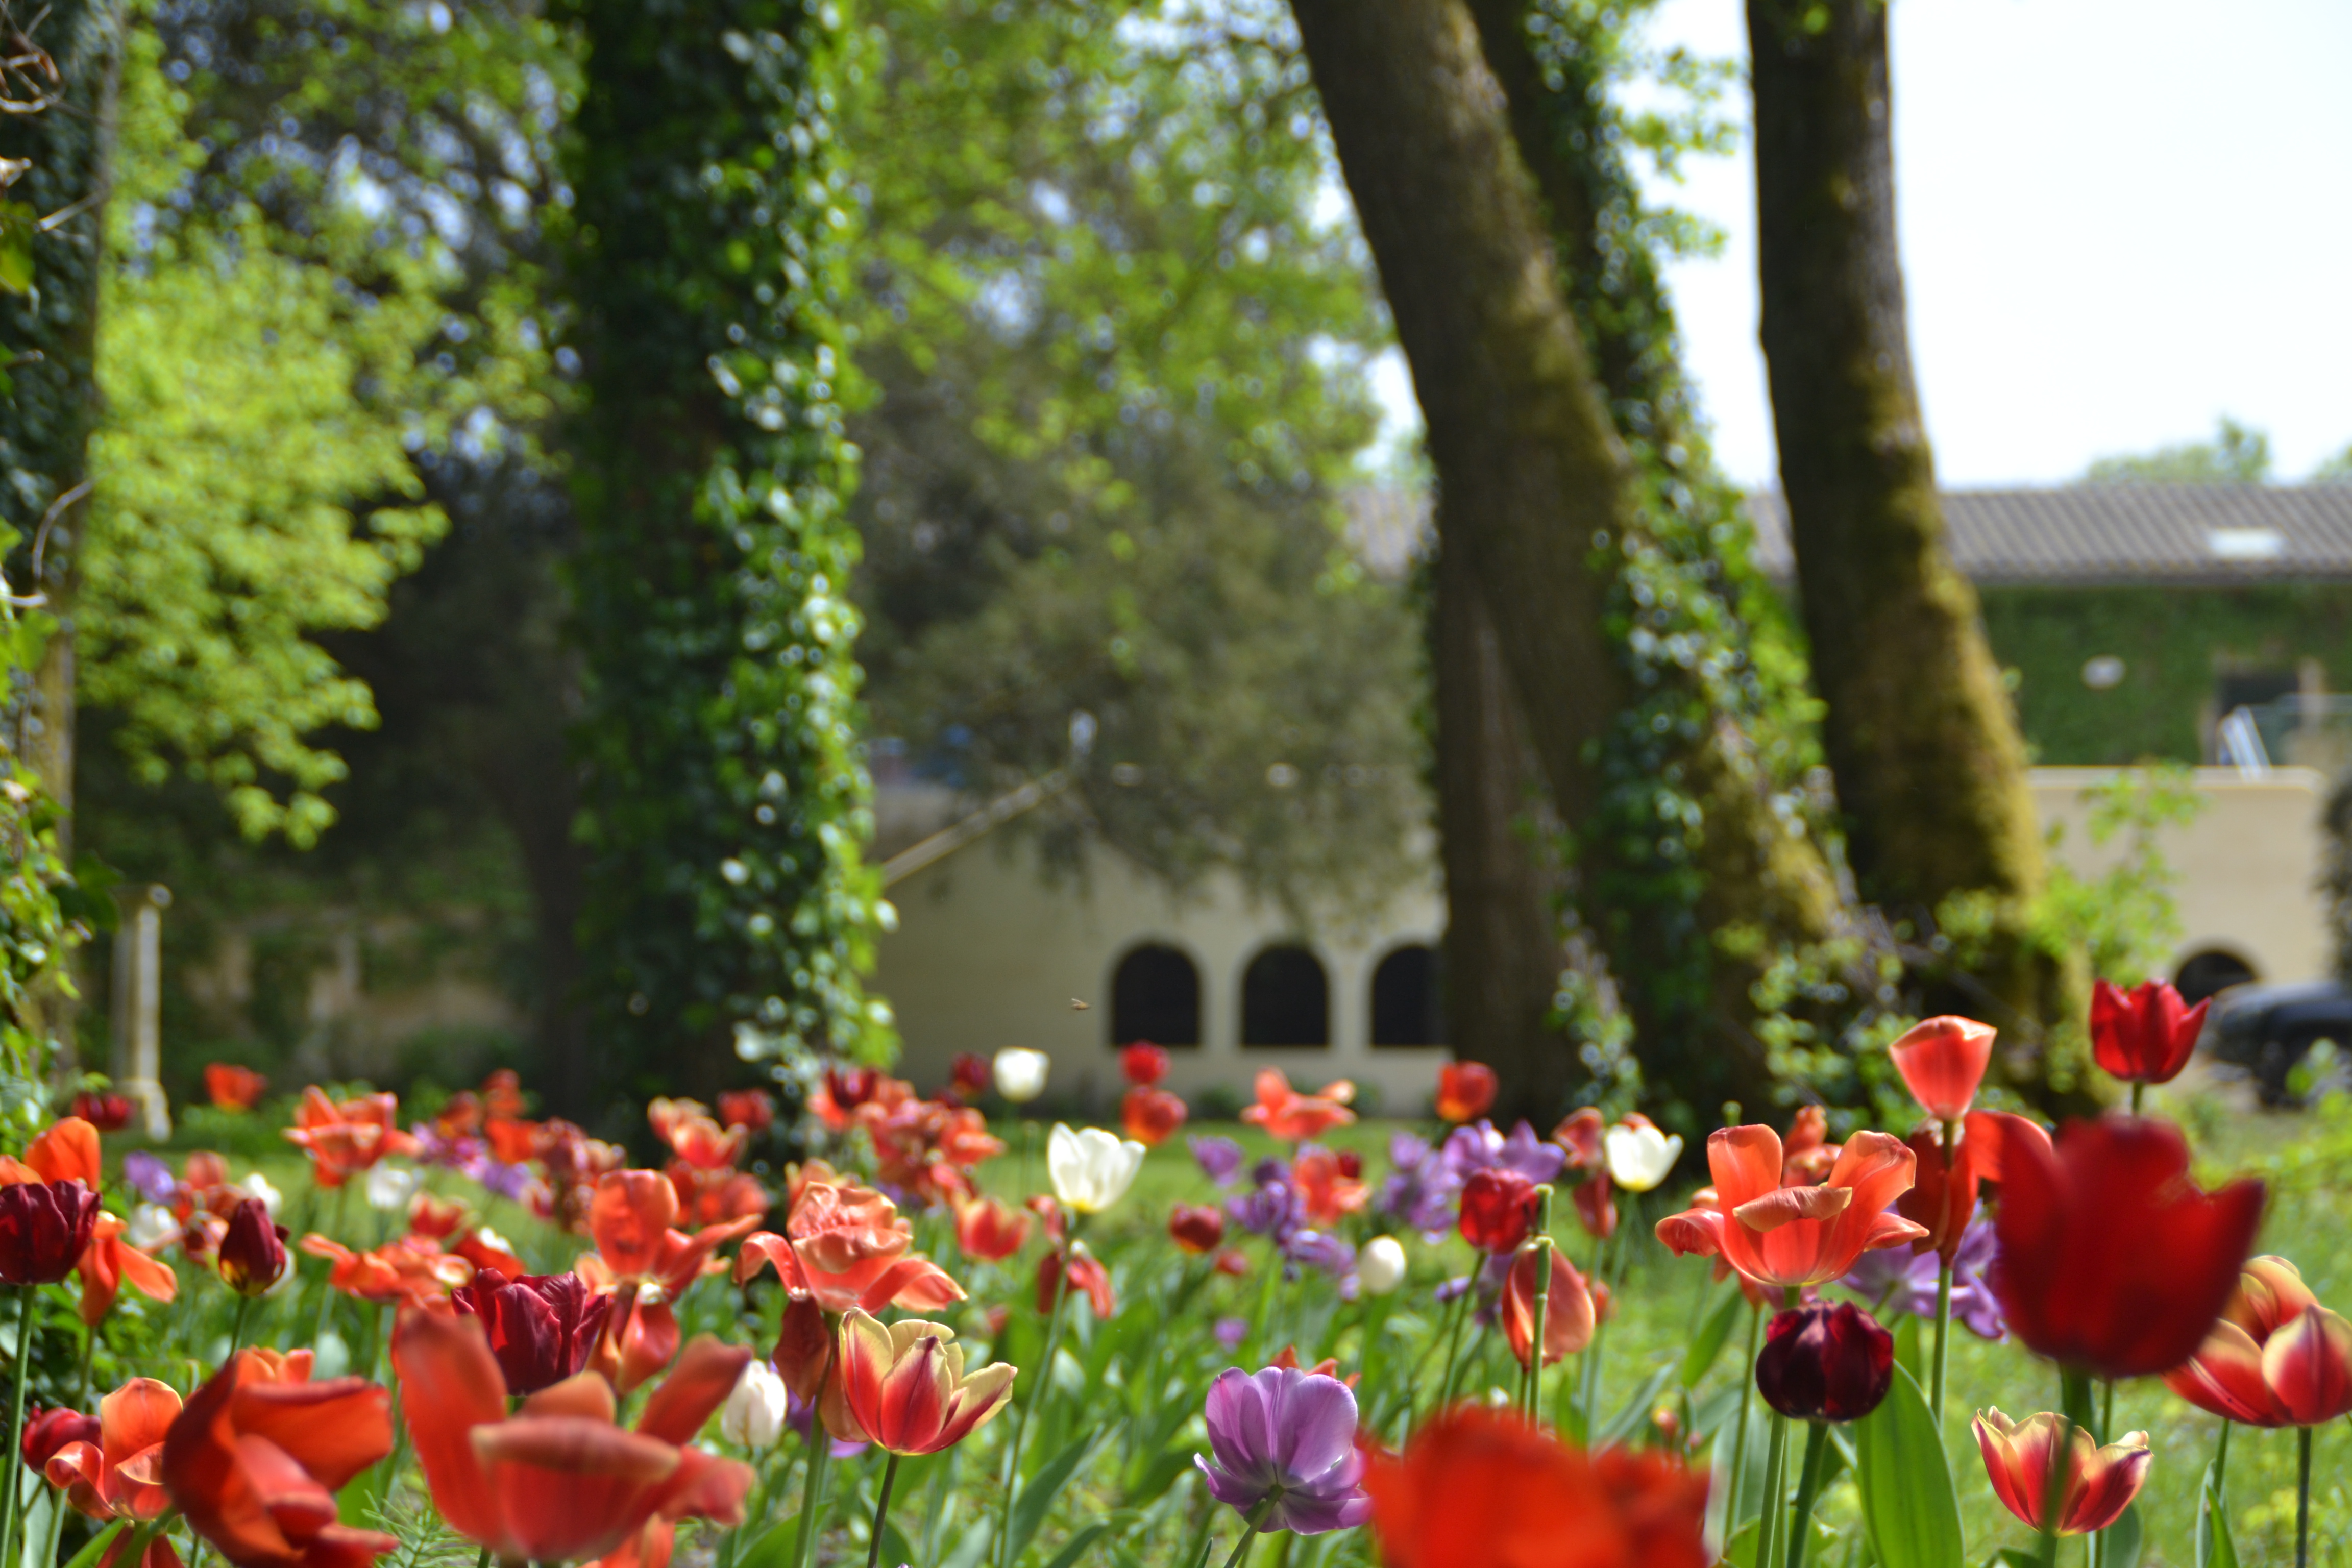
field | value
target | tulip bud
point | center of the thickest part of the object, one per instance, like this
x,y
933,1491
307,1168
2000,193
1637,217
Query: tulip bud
x,y
1144,1063
1942,1062
1197,1227
1639,1156
1379,1267
970,1074
1021,1074
150,1226
252,1250
1499,1208
1090,1168
541,1328
1825,1363
106,1110
754,1413
1464,1090
1150,1115
389,1187
44,1228
47,1431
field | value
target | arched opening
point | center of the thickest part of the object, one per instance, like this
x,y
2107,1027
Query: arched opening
x,y
1285,999
2207,974
1408,1005
1155,995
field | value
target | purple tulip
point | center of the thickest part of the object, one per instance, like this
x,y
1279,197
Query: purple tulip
x,y
800,1414
1478,1147
1422,1192
149,1177
1271,1211
1910,1276
1290,1436
1220,1159
1268,1171
1232,1331
1319,1249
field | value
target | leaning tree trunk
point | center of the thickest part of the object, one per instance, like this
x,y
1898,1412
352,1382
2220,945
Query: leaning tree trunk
x,y
1920,733
49,345
1534,489
1503,947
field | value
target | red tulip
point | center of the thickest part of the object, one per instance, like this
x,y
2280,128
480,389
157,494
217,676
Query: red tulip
x,y
435,1219
1151,1115
1086,1278
2111,1260
1801,1234
1198,1228
970,1074
541,1328
846,1246
1568,1316
1326,1190
252,1253
1825,1363
1942,1060
752,1109
1943,1196
558,1481
233,1088
1464,1090
906,1388
988,1231
44,1228
1498,1209
96,1472
636,1248
1144,1064
2277,1358
1582,1135
408,1269
66,1151
106,1110
2144,1034
255,1458
2097,1484
1479,1488
108,1262
47,1431
346,1138
1294,1117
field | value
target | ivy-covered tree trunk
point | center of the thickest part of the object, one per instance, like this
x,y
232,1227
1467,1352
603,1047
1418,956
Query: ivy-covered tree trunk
x,y
1503,948
52,229
1677,835
724,805
1930,767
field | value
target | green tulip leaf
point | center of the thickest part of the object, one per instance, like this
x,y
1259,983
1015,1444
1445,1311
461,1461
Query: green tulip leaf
x,y
2214,1547
1908,1503
1700,1358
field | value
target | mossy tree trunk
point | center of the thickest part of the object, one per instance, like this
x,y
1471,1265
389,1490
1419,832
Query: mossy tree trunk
x,y
1537,498
1920,732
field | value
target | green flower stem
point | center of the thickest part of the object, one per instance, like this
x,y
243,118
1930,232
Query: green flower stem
x,y
2303,1498
1043,1387
820,1449
236,1329
1776,1493
8,1509
1266,1506
1739,1433
1533,1387
1454,1347
2053,1484
1801,1517
2221,1457
881,1511
2139,1091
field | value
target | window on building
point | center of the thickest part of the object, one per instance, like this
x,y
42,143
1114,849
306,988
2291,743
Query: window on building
x,y
1155,994
1406,1006
1285,999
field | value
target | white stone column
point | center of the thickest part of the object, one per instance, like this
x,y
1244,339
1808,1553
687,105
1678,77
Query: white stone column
x,y
137,1068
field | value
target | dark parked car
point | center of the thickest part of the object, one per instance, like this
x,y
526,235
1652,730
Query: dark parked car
x,y
2268,1029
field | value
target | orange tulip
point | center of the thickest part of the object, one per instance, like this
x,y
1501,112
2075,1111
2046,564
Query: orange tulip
x,y
559,1481
1294,1117
636,1248
108,1262
412,1270
906,1388
1464,1090
1795,1236
255,1458
988,1231
1326,1192
233,1088
2097,1485
1942,1061
2277,1358
98,1479
1151,1116
843,1246
347,1138
1568,1316
67,1151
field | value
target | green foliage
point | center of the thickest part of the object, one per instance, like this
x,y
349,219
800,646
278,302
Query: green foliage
x,y
2237,454
2336,470
724,803
1118,350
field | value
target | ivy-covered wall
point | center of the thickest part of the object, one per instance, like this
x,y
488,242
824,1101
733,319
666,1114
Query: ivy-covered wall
x,y
2174,643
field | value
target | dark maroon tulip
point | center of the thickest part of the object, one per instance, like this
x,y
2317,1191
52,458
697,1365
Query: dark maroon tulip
x,y
1825,1363
1498,1209
107,1111
47,1431
540,1327
2144,1034
44,1228
252,1249
2113,1261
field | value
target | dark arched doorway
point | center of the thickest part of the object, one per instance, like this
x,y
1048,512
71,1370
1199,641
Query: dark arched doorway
x,y
2207,974
1407,1002
1155,995
1285,999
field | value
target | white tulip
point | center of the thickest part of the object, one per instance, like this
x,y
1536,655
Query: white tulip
x,y
1639,1157
1090,1169
754,1413
389,1187
151,1225
1021,1074
493,1240
1379,1267
256,1185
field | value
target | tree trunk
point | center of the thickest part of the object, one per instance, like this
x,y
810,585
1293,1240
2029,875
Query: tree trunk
x,y
1535,487
1503,949
48,339
1920,733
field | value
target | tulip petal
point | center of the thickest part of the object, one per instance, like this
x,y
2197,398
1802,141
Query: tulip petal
x,y
630,1216
2104,1481
1786,1205
1745,1163
700,1385
449,1386
333,1429
2308,1365
2225,1377
1694,1233
2017,1461
67,1151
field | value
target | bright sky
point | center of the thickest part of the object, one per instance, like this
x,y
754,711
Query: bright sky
x,y
2120,220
